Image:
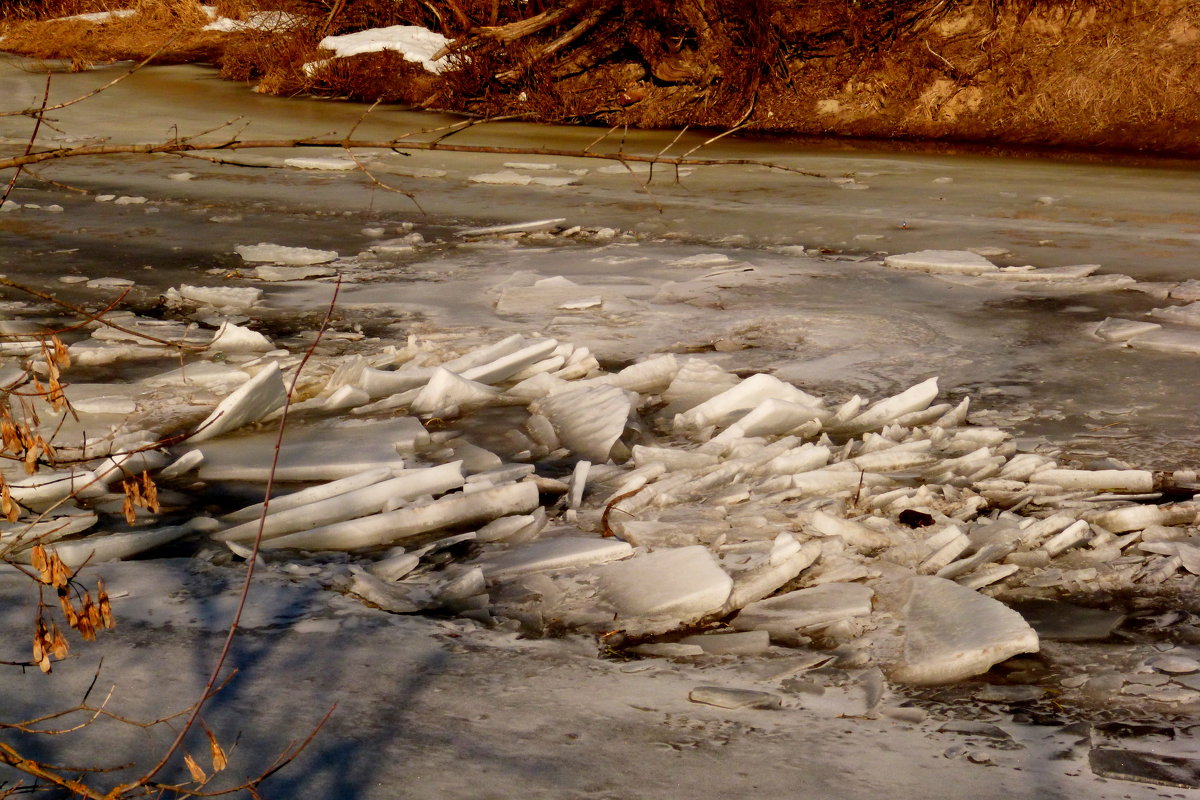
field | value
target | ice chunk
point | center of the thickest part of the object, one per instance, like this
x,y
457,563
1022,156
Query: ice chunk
x,y
224,297
588,421
1136,518
314,453
1028,274
677,586
772,417
783,616
696,382
1135,481
651,376
511,363
787,559
505,177
321,163
395,566
516,528
741,398
1173,664
280,254
394,526
46,489
952,633
1183,315
232,338
734,698
1114,329
112,546
446,391
408,484
102,404
554,554
885,411
952,261
516,227
202,373
1175,340
252,401
63,521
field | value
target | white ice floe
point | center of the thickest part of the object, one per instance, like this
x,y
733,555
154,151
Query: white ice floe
x,y
506,177
663,590
223,297
264,252
1168,340
317,163
952,632
232,338
418,45
252,401
99,548
447,394
1113,329
515,227
742,398
962,262
407,484
48,489
405,523
587,421
1030,274
314,453
566,552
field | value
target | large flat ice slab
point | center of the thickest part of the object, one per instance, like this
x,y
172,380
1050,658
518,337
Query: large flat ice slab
x,y
962,262
250,402
588,421
952,633
550,554
683,583
313,454
451,511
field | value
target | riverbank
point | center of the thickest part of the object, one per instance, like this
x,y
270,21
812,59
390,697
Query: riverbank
x,y
1054,74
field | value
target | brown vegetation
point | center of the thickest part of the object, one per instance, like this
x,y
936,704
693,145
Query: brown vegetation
x,y
1081,73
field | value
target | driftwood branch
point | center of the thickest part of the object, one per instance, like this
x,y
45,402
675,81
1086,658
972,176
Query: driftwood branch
x,y
182,147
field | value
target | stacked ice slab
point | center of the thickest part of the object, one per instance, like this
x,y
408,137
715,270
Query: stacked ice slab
x,y
666,495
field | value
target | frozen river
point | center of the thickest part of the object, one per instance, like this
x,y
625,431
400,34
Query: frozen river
x,y
838,324
740,268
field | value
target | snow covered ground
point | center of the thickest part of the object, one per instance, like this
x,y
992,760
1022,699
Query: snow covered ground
x,y
747,406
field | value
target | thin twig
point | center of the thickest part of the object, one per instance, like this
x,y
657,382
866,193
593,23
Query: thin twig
x,y
37,127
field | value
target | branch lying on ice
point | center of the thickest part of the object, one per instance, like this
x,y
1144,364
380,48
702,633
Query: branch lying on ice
x,y
398,145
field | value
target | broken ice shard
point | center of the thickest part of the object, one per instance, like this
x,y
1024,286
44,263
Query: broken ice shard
x,y
250,402
664,589
952,633
953,261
